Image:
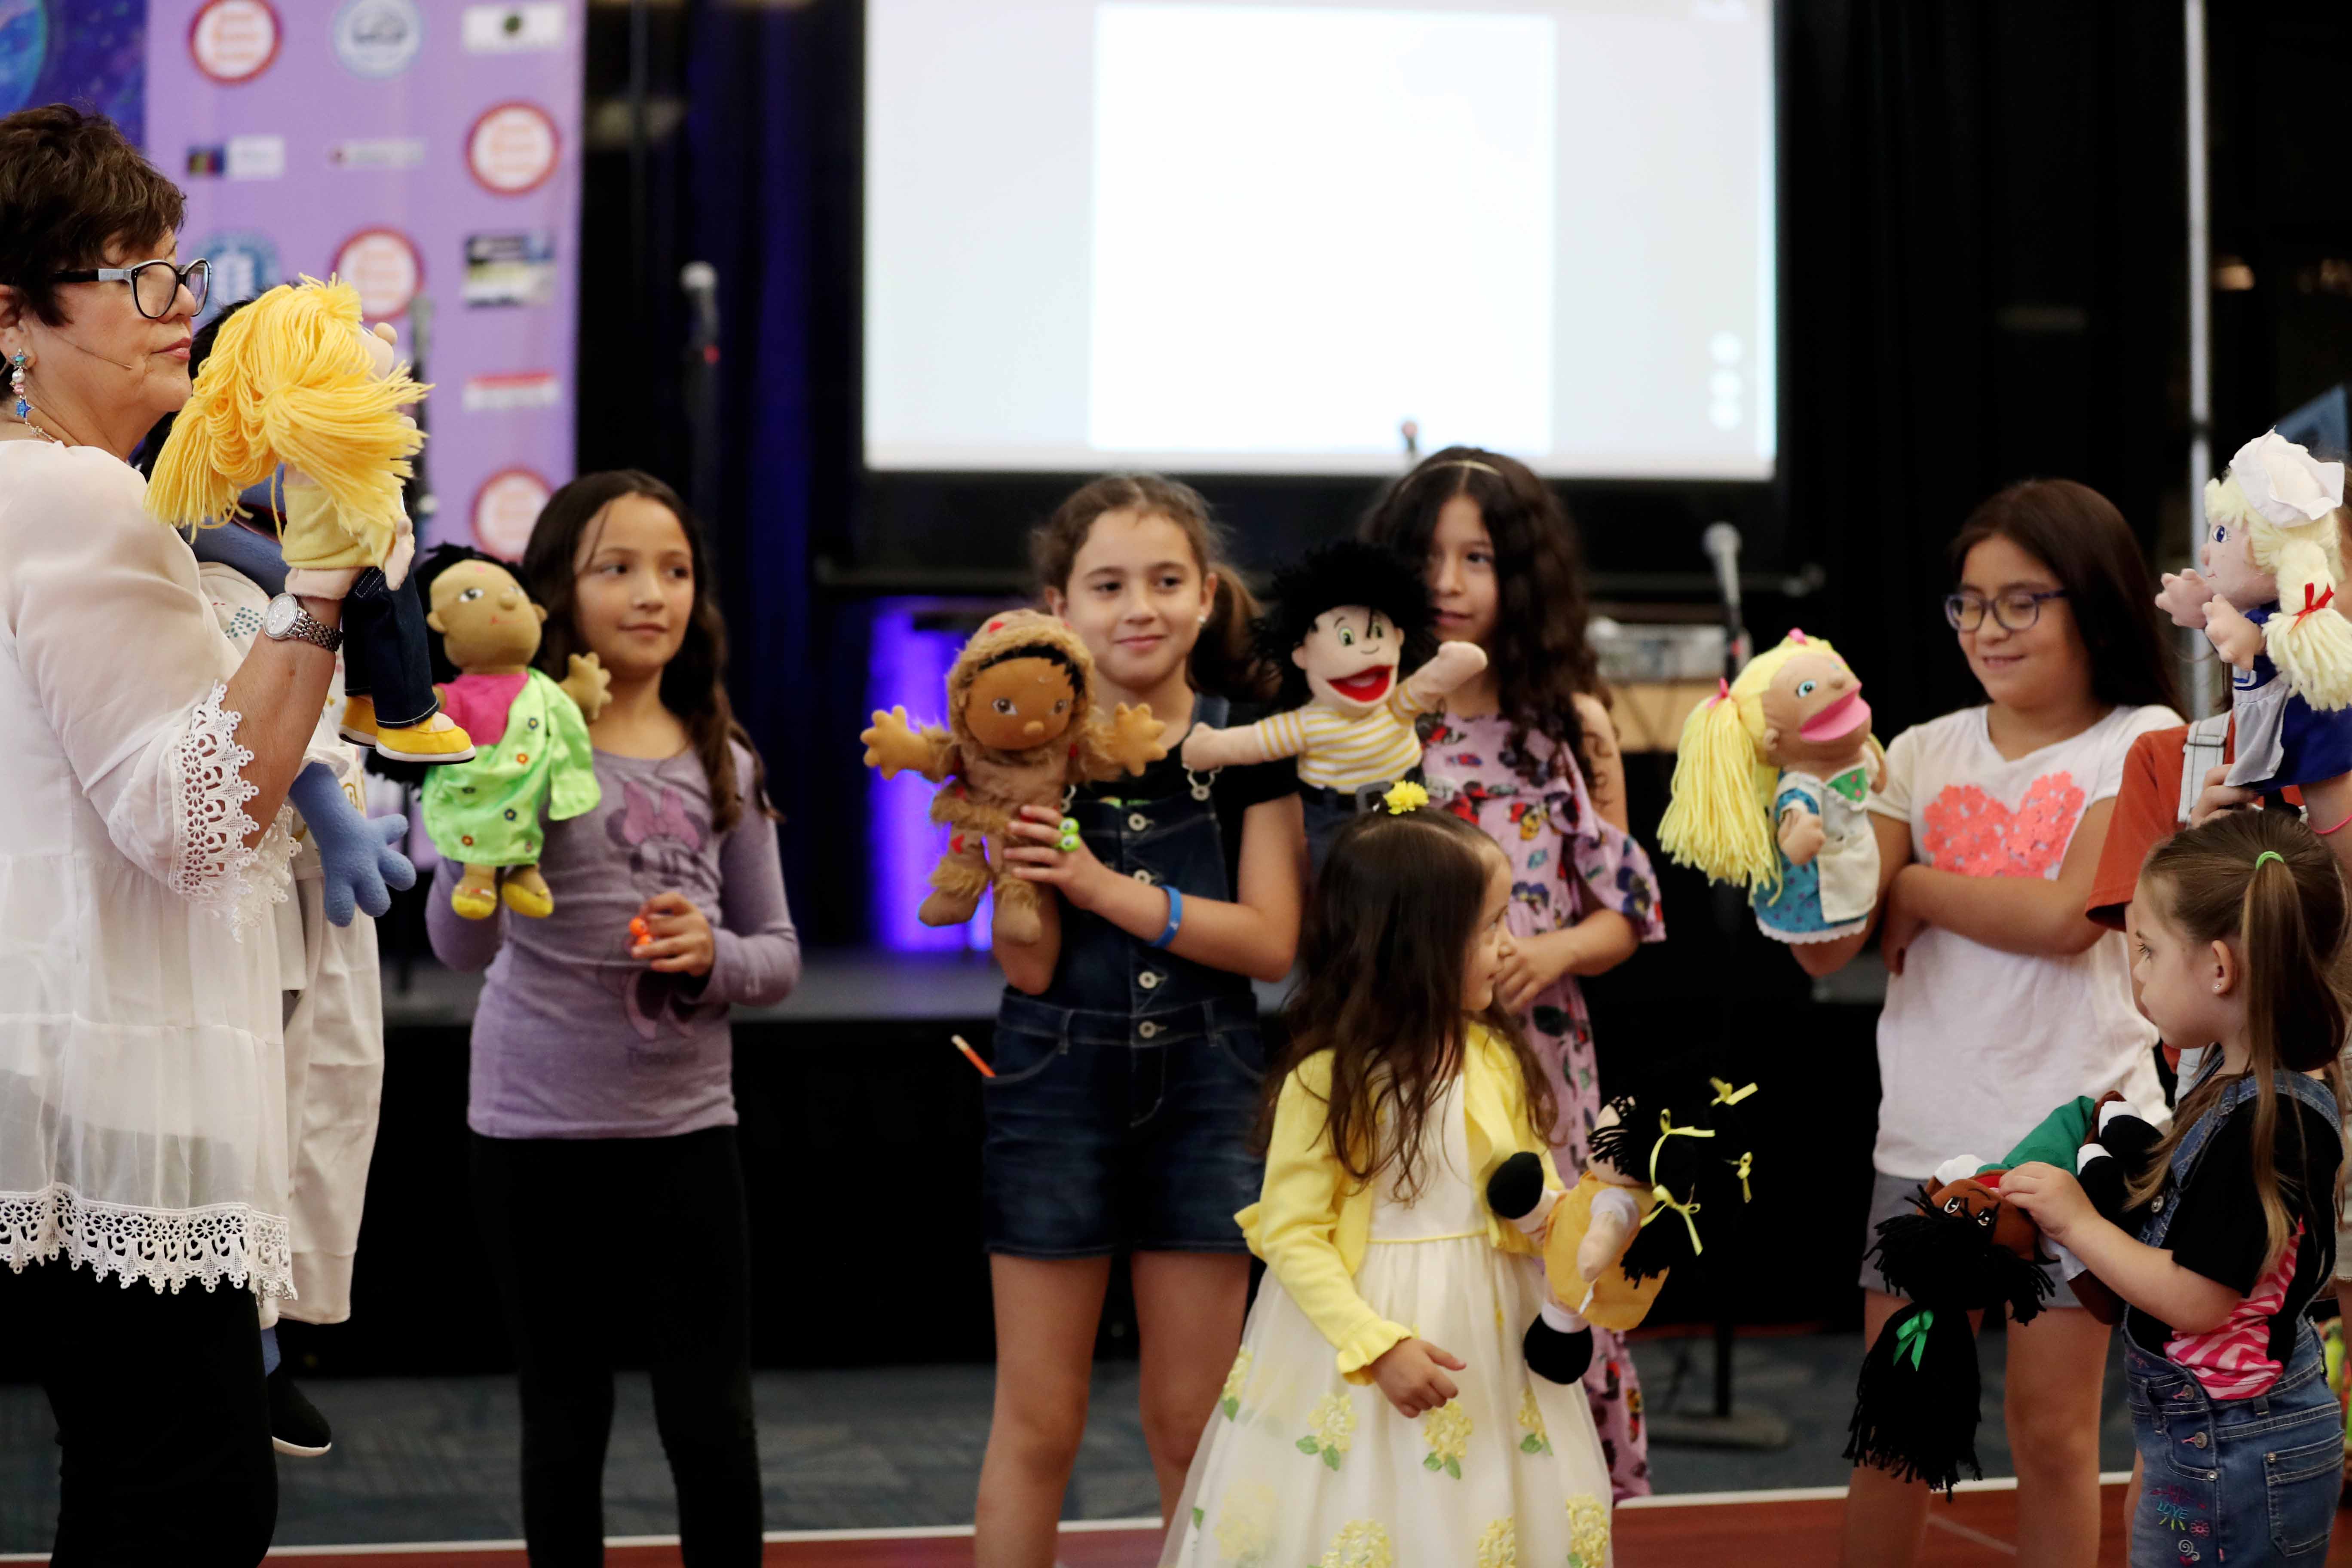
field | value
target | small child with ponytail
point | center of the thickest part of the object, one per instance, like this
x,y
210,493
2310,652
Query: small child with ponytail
x,y
2237,925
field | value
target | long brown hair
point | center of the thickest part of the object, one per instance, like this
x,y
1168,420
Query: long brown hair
x,y
694,682
1540,654
2287,918
2078,534
1224,660
1385,950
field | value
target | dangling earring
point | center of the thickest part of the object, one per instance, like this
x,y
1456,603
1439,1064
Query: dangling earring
x,y
17,364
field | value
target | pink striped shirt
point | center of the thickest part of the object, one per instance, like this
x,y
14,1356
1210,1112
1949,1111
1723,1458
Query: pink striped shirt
x,y
2234,1361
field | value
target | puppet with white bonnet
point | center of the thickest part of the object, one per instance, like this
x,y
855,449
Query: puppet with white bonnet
x,y
2264,591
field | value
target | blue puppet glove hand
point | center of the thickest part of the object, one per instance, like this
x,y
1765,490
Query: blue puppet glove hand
x,y
362,863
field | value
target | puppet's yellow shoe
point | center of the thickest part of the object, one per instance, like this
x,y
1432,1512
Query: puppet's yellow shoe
x,y
437,739
531,902
473,903
358,724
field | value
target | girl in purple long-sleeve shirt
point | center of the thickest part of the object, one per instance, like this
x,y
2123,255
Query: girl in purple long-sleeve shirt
x,y
602,1100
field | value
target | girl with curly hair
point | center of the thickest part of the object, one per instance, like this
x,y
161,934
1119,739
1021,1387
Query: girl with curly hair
x,y
1527,751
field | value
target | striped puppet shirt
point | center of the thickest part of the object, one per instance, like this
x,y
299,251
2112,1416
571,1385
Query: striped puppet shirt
x,y
1336,752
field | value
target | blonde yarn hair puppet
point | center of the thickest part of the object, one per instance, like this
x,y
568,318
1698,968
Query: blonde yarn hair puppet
x,y
294,380
1022,730
1770,789
2264,595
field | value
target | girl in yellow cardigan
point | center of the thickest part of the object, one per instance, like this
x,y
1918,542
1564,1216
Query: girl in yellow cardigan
x,y
1380,1413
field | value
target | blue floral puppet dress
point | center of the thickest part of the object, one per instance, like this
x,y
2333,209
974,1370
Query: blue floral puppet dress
x,y
1566,861
1831,895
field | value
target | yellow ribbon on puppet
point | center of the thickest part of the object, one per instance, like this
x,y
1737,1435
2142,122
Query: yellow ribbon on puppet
x,y
1727,1095
1658,1190
1746,1163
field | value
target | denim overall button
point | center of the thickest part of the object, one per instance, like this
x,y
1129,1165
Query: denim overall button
x,y
1147,1029
1145,877
1148,980
1137,822
2199,1440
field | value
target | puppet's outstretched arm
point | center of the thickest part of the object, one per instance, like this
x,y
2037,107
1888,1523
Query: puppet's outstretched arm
x,y
1454,663
1281,736
1128,742
893,745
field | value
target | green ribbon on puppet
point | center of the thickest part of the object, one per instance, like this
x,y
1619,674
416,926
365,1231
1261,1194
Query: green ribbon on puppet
x,y
1658,1190
1853,783
1913,1336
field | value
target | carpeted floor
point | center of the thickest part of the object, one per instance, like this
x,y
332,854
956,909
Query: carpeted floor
x,y
434,1458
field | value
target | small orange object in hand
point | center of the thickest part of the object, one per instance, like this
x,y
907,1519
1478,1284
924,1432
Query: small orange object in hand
x,y
972,1055
639,931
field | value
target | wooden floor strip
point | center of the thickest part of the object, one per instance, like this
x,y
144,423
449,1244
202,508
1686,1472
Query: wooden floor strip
x,y
1976,1529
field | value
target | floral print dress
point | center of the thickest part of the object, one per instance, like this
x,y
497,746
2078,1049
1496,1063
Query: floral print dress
x,y
1302,1468
1566,861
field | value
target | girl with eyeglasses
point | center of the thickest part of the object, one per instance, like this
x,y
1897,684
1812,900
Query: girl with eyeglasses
x,y
2003,998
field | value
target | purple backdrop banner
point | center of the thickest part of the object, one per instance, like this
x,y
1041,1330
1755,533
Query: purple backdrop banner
x,y
428,151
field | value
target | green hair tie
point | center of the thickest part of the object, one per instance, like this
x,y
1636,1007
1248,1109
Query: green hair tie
x,y
2268,854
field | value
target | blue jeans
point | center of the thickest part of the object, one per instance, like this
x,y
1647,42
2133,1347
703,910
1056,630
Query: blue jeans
x,y
2240,1482
1112,1133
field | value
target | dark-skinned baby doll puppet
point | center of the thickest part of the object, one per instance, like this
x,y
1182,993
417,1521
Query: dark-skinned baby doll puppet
x,y
535,761
1673,1146
1022,730
1968,1250
1344,620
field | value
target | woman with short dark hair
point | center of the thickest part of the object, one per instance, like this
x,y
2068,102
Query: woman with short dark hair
x,y
142,1122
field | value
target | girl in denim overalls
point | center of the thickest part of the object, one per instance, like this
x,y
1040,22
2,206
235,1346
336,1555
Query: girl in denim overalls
x,y
2236,925
1127,1056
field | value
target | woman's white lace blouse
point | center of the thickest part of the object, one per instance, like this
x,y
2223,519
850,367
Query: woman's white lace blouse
x,y
142,1122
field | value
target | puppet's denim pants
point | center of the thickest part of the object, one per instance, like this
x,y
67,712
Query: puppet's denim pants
x,y
2240,1483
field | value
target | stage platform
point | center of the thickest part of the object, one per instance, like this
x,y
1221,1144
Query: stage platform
x,y
838,985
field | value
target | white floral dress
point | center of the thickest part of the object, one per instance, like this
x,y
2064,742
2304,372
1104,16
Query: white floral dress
x,y
1302,1467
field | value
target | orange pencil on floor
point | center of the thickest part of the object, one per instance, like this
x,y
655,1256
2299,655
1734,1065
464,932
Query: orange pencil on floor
x,y
972,1057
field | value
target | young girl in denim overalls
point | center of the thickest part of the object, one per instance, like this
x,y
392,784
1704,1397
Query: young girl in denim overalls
x,y
1127,1053
2237,924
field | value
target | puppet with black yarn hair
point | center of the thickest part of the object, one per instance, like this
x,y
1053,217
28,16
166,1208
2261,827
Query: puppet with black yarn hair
x,y
1965,1250
1022,730
1343,622
1675,1145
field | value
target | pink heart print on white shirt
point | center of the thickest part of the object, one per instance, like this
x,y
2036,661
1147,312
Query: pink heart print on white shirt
x,y
1970,832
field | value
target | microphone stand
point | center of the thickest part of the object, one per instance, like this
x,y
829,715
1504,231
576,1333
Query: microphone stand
x,y
1725,1427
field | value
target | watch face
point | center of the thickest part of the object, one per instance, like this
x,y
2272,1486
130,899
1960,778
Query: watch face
x,y
280,621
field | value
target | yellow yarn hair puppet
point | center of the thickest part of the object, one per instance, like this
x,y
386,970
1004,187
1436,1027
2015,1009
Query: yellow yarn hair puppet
x,y
293,380
2264,593
1769,788
1022,730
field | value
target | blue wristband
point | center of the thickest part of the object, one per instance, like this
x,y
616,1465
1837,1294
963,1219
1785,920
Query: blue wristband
x,y
1175,915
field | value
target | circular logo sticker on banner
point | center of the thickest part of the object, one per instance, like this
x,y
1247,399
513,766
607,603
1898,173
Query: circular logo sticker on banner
x,y
384,266
244,266
378,38
512,148
234,41
504,509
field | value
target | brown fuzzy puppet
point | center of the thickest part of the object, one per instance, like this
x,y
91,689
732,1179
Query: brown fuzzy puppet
x,y
1022,732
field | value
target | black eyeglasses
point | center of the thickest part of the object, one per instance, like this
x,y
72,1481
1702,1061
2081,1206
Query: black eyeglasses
x,y
2016,609
154,285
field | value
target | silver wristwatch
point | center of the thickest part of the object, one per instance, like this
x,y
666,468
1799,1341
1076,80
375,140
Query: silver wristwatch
x,y
286,618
